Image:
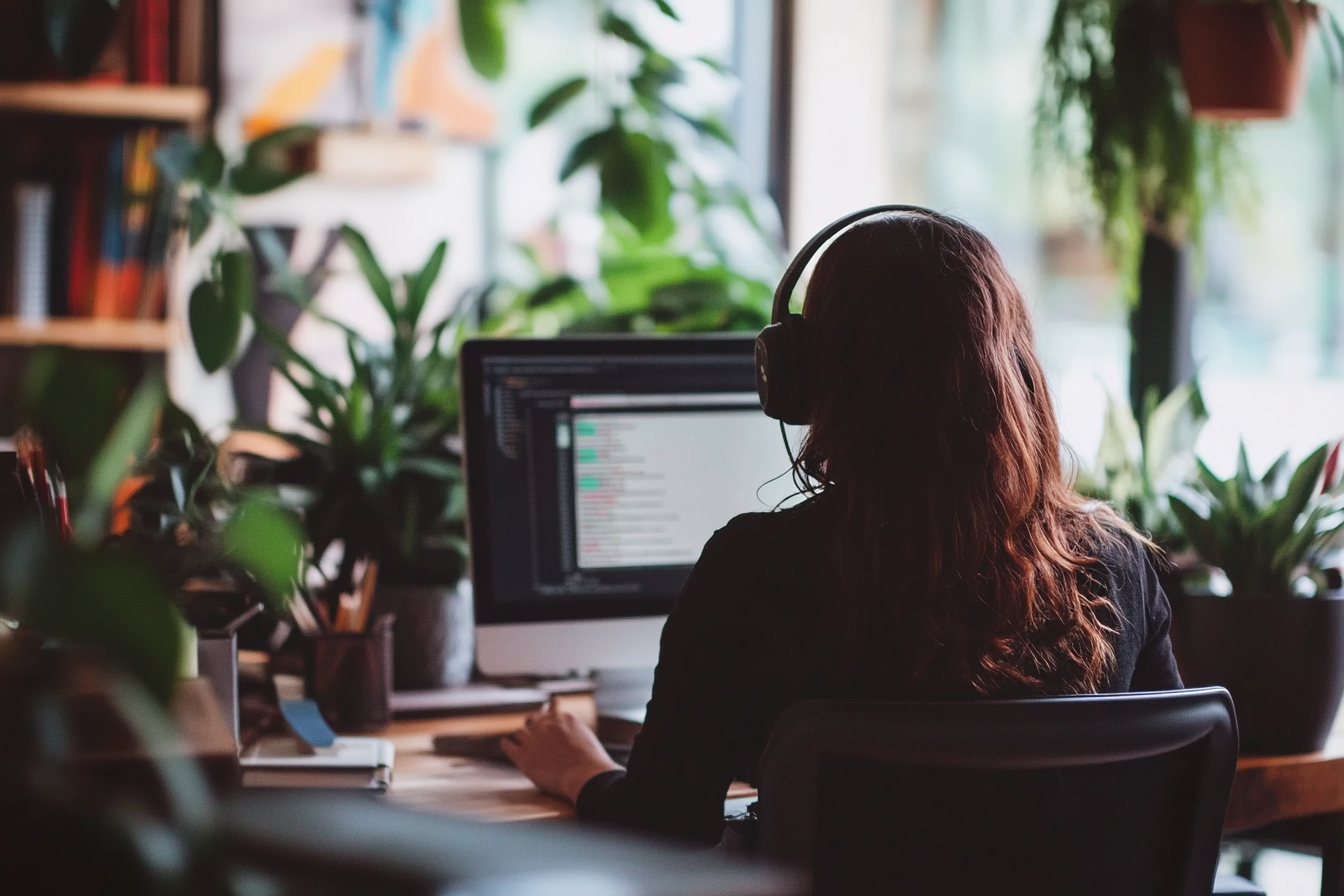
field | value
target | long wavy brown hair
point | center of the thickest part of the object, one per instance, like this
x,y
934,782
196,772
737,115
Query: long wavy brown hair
x,y
956,540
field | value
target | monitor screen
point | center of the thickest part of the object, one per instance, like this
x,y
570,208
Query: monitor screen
x,y
598,468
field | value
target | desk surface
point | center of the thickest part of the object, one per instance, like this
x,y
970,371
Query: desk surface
x,y
1276,788
484,789
1266,788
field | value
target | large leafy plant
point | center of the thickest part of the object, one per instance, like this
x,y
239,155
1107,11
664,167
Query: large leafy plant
x,y
91,590
1266,533
1112,110
658,270
1137,466
78,606
381,467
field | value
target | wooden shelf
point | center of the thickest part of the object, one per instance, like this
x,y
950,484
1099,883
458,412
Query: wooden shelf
x,y
142,101
117,335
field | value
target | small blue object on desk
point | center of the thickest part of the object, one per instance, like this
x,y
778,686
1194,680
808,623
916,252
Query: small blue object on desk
x,y
305,720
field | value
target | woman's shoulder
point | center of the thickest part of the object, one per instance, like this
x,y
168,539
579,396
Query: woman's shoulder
x,y
1128,559
768,528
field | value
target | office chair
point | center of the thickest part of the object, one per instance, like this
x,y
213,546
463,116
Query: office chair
x,y
1089,795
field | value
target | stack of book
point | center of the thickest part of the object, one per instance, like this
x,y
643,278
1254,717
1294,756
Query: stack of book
x,y
90,239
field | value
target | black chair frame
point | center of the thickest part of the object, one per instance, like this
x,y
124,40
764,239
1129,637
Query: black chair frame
x,y
1045,733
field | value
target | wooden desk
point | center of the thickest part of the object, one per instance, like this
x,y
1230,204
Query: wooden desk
x,y
483,789
1269,789
1297,799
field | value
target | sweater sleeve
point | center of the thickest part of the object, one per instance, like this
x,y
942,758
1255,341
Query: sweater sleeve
x,y
684,757
1155,668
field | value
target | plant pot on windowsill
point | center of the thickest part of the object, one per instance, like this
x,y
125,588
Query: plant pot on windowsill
x,y
1233,61
1281,658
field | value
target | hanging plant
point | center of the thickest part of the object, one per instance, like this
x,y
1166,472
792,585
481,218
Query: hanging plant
x,y
1113,110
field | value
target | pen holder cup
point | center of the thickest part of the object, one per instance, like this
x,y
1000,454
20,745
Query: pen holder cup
x,y
350,677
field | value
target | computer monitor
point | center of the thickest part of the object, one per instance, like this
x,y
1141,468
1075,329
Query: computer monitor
x,y
596,470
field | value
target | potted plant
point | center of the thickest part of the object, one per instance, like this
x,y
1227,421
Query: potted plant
x,y
1113,111
1137,466
1244,59
381,466
1277,641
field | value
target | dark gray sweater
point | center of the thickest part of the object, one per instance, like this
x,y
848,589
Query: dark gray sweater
x,y
754,632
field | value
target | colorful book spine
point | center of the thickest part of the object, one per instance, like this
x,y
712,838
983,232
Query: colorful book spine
x,y
151,39
107,276
85,218
154,291
136,198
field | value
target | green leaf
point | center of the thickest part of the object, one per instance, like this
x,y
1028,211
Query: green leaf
x,y
114,603
215,325
253,180
1210,483
273,160
268,542
667,10
713,63
618,27
432,467
1278,14
73,399
1170,433
419,285
125,443
198,218
1301,489
632,277
373,272
552,290
635,183
1273,480
555,100
1198,531
589,150
207,164
237,280
482,35
707,127
358,411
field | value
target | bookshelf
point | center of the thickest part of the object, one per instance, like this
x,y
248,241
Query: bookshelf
x,y
73,102
145,102
108,335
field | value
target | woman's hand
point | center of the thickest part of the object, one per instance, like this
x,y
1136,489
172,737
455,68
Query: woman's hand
x,y
557,751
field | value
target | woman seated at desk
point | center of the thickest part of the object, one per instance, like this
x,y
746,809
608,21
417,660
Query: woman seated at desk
x,y
940,555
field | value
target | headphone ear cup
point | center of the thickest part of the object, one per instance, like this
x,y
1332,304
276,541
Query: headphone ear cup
x,y
782,370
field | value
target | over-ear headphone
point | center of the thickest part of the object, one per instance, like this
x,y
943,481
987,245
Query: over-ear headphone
x,y
783,360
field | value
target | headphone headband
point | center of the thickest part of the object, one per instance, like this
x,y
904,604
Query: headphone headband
x,y
783,353
784,291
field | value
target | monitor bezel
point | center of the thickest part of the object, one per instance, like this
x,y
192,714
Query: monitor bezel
x,y
471,357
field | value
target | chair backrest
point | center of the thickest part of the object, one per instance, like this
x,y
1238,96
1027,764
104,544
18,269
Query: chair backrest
x,y
1116,793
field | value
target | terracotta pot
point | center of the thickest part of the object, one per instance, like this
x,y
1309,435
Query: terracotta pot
x,y
1233,63
1282,659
